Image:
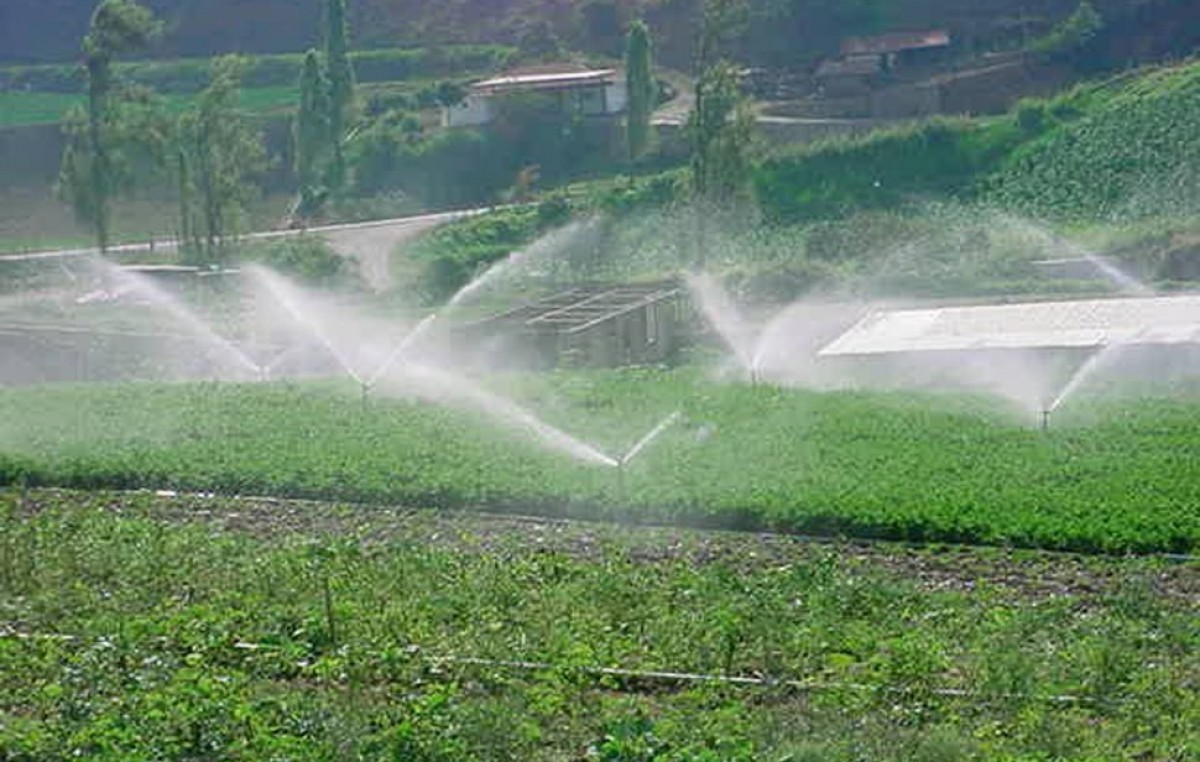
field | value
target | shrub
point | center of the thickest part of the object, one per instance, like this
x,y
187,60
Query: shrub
x,y
1031,116
309,258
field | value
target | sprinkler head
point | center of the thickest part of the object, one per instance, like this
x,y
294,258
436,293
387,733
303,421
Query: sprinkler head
x,y
1045,420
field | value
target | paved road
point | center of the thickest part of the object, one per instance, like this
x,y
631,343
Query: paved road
x,y
376,230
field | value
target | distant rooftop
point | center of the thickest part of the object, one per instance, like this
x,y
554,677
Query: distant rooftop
x,y
894,42
1066,324
544,80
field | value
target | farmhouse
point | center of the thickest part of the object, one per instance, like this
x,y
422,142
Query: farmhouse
x,y
863,61
582,91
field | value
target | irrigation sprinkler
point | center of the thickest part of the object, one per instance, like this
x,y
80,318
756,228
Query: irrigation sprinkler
x,y
402,347
637,448
622,492
1046,419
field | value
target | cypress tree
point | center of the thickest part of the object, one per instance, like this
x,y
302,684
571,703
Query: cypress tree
x,y
341,87
312,133
639,83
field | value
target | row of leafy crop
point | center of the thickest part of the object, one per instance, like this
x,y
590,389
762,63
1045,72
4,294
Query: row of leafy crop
x,y
191,75
1123,477
128,637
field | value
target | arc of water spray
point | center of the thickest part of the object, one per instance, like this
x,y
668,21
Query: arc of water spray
x,y
637,448
401,347
721,313
645,441
442,386
1085,371
264,371
284,299
180,312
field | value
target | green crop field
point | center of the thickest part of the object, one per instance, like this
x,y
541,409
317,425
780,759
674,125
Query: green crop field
x,y
1113,475
20,109
138,627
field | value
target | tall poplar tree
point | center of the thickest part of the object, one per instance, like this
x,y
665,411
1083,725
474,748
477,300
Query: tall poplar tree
x,y
219,153
94,169
341,87
312,134
720,125
639,82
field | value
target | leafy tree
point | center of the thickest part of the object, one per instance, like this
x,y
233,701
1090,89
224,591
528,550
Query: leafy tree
x,y
639,82
538,42
312,134
1070,39
720,125
218,154
720,128
600,22
95,165
341,87
723,23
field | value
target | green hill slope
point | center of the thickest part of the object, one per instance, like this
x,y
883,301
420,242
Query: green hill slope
x,y
1118,150
1127,148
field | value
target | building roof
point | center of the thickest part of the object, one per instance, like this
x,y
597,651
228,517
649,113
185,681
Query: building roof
x,y
581,308
1065,324
894,42
552,80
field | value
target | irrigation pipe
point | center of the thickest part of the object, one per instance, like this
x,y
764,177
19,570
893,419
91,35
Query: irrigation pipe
x,y
639,680
630,679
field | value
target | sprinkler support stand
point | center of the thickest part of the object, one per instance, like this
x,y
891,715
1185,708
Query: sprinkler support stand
x,y
622,495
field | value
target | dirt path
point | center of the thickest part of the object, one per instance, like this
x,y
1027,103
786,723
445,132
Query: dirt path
x,y
1028,574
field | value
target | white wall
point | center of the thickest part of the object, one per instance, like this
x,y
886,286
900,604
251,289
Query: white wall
x,y
472,111
617,95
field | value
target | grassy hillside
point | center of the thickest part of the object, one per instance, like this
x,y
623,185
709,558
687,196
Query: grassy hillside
x,y
1097,153
1127,148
